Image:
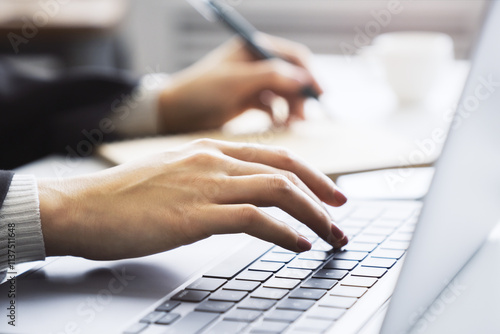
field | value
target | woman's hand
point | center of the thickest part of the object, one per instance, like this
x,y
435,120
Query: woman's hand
x,y
230,81
178,197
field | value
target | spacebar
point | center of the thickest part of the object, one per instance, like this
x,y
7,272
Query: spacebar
x,y
192,323
235,263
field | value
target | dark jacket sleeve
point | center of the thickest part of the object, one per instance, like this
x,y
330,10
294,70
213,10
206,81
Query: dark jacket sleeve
x,y
43,115
5,180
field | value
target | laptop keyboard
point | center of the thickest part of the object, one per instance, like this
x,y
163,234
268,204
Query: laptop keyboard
x,y
282,291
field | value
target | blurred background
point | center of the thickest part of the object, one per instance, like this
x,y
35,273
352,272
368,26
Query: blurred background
x,y
167,35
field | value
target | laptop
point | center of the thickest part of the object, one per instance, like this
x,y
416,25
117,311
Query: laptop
x,y
402,255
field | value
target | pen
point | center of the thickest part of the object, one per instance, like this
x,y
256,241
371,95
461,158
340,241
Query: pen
x,y
247,31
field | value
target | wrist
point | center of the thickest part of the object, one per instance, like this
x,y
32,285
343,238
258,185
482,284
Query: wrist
x,y
166,109
58,215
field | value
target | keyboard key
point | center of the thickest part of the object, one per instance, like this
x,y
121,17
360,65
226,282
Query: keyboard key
x,y
364,282
314,255
378,230
241,285
295,304
136,328
369,213
348,291
303,293
266,266
278,249
192,323
370,238
152,317
328,313
340,213
319,283
338,302
206,284
259,276
228,295
168,319
340,264
313,325
236,262
351,231
243,315
227,327
321,245
278,257
354,256
369,272
407,228
282,283
390,223
270,327
388,253
268,293
283,315
190,296
402,236
360,246
400,245
293,273
331,274
398,214
355,223
377,262
257,304
214,306
305,264
168,306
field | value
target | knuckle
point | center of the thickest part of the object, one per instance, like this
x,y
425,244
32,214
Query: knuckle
x,y
285,155
204,142
293,178
248,215
280,184
203,158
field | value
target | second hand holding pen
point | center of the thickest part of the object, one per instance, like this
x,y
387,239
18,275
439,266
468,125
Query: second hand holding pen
x,y
248,32
237,23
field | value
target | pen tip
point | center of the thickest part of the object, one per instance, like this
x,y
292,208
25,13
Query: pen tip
x,y
309,91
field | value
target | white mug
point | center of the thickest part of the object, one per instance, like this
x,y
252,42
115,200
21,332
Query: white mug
x,y
412,61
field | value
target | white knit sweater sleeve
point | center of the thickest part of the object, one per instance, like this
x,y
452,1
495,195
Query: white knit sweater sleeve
x,y
21,238
138,114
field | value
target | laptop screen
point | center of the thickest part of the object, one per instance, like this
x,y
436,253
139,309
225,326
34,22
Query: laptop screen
x,y
463,204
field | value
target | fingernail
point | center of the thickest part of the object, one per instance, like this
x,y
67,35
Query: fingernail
x,y
303,244
344,241
339,196
337,233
